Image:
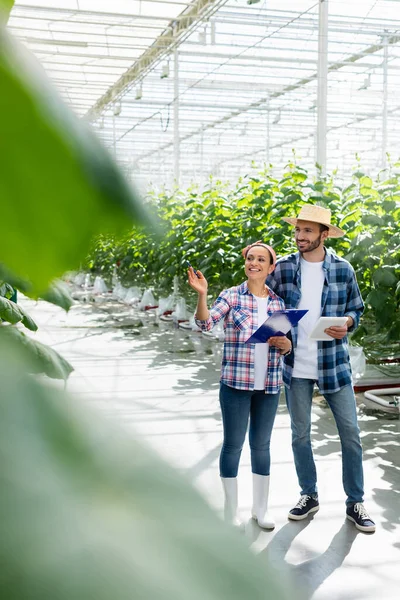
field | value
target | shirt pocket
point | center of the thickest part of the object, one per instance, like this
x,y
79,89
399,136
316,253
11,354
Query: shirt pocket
x,y
241,319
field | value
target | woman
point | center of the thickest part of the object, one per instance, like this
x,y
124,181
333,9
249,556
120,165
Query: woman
x,y
250,376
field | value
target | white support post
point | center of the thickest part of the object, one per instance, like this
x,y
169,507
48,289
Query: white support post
x,y
267,141
322,90
176,118
201,169
114,136
385,101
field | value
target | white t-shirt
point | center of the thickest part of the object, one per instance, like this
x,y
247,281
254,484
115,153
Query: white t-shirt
x,y
306,353
261,350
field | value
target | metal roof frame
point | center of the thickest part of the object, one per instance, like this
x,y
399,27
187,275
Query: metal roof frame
x,y
240,82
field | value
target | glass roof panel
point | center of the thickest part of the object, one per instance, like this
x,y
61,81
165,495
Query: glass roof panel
x,y
245,86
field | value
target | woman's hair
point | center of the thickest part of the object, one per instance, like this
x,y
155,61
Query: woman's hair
x,y
271,251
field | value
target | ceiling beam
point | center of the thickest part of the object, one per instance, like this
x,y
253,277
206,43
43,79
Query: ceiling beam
x,y
174,35
393,39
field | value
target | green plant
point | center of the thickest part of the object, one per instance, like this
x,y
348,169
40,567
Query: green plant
x,y
371,213
209,228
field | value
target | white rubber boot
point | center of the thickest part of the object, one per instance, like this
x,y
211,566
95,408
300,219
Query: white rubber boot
x,y
230,488
260,501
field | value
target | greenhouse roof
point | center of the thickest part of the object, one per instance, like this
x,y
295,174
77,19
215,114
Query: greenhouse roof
x,y
208,86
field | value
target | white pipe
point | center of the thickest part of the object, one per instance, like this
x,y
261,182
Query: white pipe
x,y
374,395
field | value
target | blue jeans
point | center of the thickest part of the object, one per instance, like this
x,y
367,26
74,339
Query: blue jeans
x,y
236,407
343,406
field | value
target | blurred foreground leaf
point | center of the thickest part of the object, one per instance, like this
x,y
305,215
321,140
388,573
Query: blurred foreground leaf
x,y
17,282
14,313
5,9
88,513
9,311
57,293
38,358
59,186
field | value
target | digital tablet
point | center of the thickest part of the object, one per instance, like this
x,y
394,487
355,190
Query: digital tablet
x,y
318,333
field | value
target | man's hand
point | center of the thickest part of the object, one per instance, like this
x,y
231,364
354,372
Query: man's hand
x,y
339,332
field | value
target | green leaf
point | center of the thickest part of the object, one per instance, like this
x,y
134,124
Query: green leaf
x,y
87,511
14,313
374,220
58,294
352,216
56,211
6,290
7,275
5,9
27,320
366,181
376,299
385,276
9,311
38,357
299,177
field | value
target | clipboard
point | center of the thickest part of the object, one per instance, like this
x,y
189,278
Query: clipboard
x,y
279,323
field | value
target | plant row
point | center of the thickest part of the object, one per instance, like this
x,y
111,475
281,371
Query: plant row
x,y
210,227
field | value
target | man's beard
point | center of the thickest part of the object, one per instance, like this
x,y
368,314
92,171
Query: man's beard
x,y
313,245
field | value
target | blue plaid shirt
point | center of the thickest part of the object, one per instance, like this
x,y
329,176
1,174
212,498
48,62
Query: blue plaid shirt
x,y
340,297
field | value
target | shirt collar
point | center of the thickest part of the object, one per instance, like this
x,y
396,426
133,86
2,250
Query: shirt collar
x,y
243,288
327,260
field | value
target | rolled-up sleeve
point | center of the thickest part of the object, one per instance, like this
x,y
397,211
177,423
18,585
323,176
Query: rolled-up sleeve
x,y
355,304
218,311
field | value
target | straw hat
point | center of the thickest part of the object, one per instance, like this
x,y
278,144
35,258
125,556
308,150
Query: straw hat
x,y
316,214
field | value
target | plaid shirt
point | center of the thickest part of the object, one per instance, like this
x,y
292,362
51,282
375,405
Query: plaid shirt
x,y
340,297
238,307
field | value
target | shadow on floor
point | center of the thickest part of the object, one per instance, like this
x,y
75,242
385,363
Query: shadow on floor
x,y
308,575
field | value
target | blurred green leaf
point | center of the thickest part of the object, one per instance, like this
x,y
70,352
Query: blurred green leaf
x,y
64,186
28,321
5,9
58,294
38,357
9,311
6,289
366,181
12,279
386,276
14,313
352,216
376,300
87,512
372,219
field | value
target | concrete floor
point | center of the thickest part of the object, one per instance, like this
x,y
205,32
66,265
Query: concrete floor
x,y
162,383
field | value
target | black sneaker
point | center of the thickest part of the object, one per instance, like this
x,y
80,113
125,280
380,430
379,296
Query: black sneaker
x,y
360,517
305,506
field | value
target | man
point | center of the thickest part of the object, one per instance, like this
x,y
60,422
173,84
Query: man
x,y
317,280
